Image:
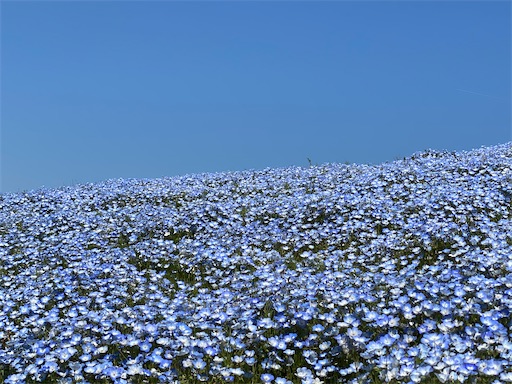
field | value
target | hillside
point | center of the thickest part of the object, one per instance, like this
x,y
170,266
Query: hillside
x,y
399,272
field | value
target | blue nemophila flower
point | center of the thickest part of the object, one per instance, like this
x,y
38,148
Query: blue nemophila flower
x,y
303,373
388,339
324,345
438,340
145,346
135,369
187,363
349,321
211,351
403,265
237,371
420,373
113,372
163,341
277,343
65,353
199,364
50,366
16,378
490,367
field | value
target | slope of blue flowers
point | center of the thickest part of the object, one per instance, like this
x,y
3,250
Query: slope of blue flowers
x,y
399,272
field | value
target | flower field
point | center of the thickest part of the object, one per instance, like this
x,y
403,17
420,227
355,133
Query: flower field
x,y
392,273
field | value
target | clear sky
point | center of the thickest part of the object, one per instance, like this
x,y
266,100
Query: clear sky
x,y
94,90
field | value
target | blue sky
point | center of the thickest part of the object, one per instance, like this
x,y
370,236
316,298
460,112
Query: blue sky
x,y
99,90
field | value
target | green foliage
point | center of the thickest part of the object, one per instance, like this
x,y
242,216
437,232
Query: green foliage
x,y
122,241
430,255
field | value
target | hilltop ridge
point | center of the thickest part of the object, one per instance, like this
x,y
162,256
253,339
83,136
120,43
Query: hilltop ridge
x,y
399,271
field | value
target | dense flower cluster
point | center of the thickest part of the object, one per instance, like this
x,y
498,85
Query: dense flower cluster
x,y
399,272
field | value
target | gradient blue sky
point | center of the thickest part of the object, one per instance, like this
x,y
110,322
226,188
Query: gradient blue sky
x,y
98,90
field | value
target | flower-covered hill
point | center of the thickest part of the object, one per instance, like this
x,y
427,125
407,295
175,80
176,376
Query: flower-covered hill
x,y
399,272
